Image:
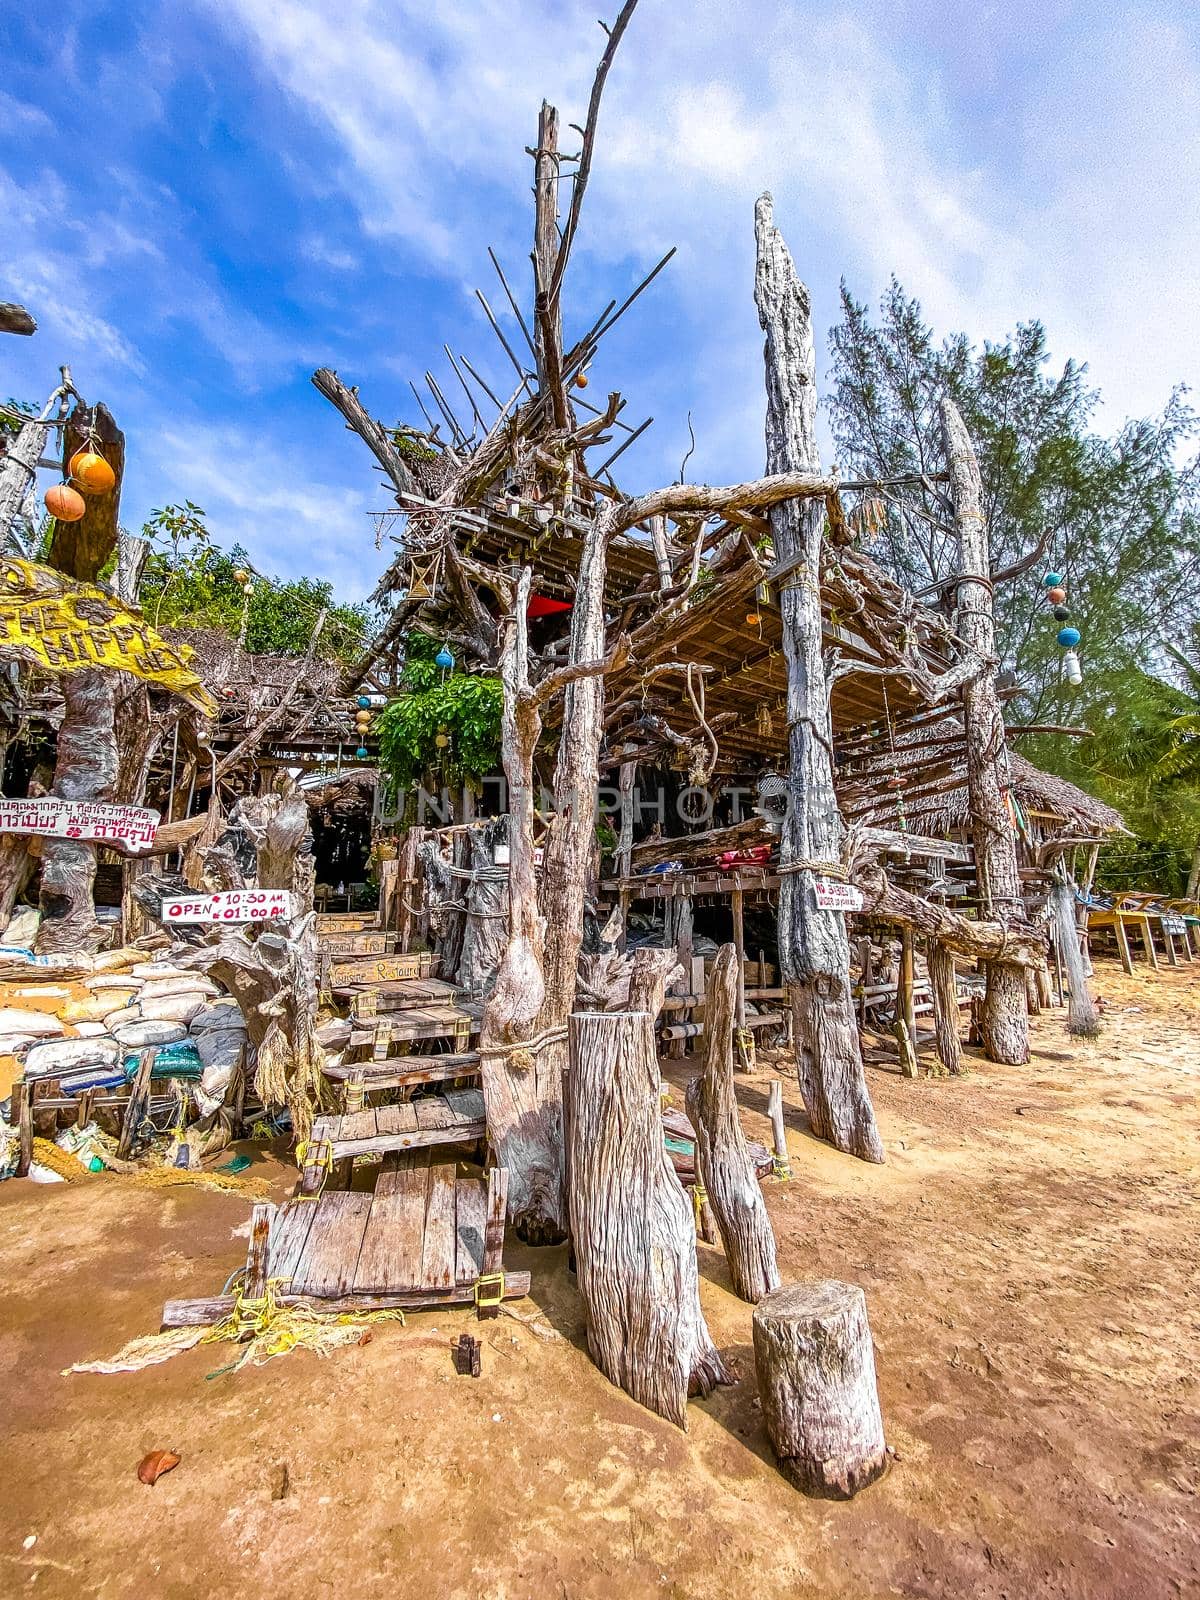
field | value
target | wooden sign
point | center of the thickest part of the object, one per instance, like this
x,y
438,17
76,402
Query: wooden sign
x,y
346,921
377,969
231,905
372,943
130,828
835,896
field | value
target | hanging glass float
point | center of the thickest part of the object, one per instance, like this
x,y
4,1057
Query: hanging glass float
x,y
1060,613
361,752
442,738
444,659
364,701
1052,580
64,503
241,576
1069,637
90,472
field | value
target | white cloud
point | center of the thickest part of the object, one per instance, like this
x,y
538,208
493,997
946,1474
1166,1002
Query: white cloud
x,y
879,162
268,499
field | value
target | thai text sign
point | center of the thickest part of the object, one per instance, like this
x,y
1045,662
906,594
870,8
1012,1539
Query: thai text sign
x,y
130,828
833,896
231,905
64,626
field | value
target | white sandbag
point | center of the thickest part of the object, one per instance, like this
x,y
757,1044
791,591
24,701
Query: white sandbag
x,y
22,927
38,1023
160,969
118,960
172,1007
40,991
63,1055
122,1015
95,1007
190,983
90,1030
218,1016
112,980
139,1035
10,1043
220,1050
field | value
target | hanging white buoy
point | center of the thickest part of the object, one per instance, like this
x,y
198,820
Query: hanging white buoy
x,y
1072,669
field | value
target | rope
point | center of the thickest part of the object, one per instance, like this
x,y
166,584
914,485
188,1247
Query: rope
x,y
547,1036
825,869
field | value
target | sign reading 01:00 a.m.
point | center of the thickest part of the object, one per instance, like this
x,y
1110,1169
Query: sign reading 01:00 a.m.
x,y
130,828
231,905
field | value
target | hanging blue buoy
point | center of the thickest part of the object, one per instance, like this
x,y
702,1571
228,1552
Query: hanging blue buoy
x,y
1051,580
444,659
362,752
1068,637
364,702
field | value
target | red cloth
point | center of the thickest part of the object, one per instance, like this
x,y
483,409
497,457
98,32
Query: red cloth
x,y
541,605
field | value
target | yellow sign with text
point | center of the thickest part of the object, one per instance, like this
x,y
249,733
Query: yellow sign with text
x,y
65,626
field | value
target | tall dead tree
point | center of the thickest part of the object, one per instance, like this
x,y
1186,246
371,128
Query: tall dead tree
x,y
813,946
1083,1019
1005,1012
88,760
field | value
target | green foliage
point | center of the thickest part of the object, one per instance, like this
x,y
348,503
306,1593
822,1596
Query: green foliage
x,y
190,583
1123,517
465,707
9,426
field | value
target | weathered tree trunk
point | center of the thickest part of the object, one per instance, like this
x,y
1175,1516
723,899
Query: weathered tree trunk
x,y
18,472
16,869
81,548
522,1082
816,1379
813,947
486,896
943,990
722,1159
1005,1014
547,316
273,972
1082,1017
631,1224
1193,883
86,769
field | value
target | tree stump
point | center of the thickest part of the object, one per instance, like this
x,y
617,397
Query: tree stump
x,y
722,1160
631,1223
816,1379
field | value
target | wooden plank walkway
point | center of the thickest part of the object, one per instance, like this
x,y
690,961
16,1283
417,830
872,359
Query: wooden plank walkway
x,y
424,1237
456,1117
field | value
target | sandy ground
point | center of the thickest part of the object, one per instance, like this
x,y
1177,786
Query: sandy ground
x,y
1029,1256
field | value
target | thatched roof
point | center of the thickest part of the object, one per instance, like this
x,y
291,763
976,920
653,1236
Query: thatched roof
x,y
888,790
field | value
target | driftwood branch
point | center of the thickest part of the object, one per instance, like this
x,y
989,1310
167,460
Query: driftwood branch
x,y
373,434
256,735
15,319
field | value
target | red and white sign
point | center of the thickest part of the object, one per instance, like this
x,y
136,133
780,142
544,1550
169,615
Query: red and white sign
x,y
834,896
130,828
231,905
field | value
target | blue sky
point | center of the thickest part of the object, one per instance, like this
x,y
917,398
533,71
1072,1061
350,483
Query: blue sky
x,y
202,200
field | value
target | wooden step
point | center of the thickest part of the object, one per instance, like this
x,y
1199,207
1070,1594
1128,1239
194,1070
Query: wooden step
x,y
456,1117
401,1072
446,1020
372,1000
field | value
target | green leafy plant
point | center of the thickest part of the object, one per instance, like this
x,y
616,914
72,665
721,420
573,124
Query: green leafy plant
x,y
463,708
190,582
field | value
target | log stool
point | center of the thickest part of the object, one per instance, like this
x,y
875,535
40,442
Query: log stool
x,y
816,1379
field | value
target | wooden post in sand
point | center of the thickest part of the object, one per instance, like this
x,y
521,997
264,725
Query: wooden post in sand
x,y
631,1224
816,1379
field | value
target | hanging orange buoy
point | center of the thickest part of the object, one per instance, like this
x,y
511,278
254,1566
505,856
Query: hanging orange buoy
x,y
91,473
1056,596
63,503
581,380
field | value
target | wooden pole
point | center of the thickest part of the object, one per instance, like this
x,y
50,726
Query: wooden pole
x,y
783,1164
906,1011
722,1158
943,989
631,1224
1083,1019
1005,1013
813,945
816,1378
